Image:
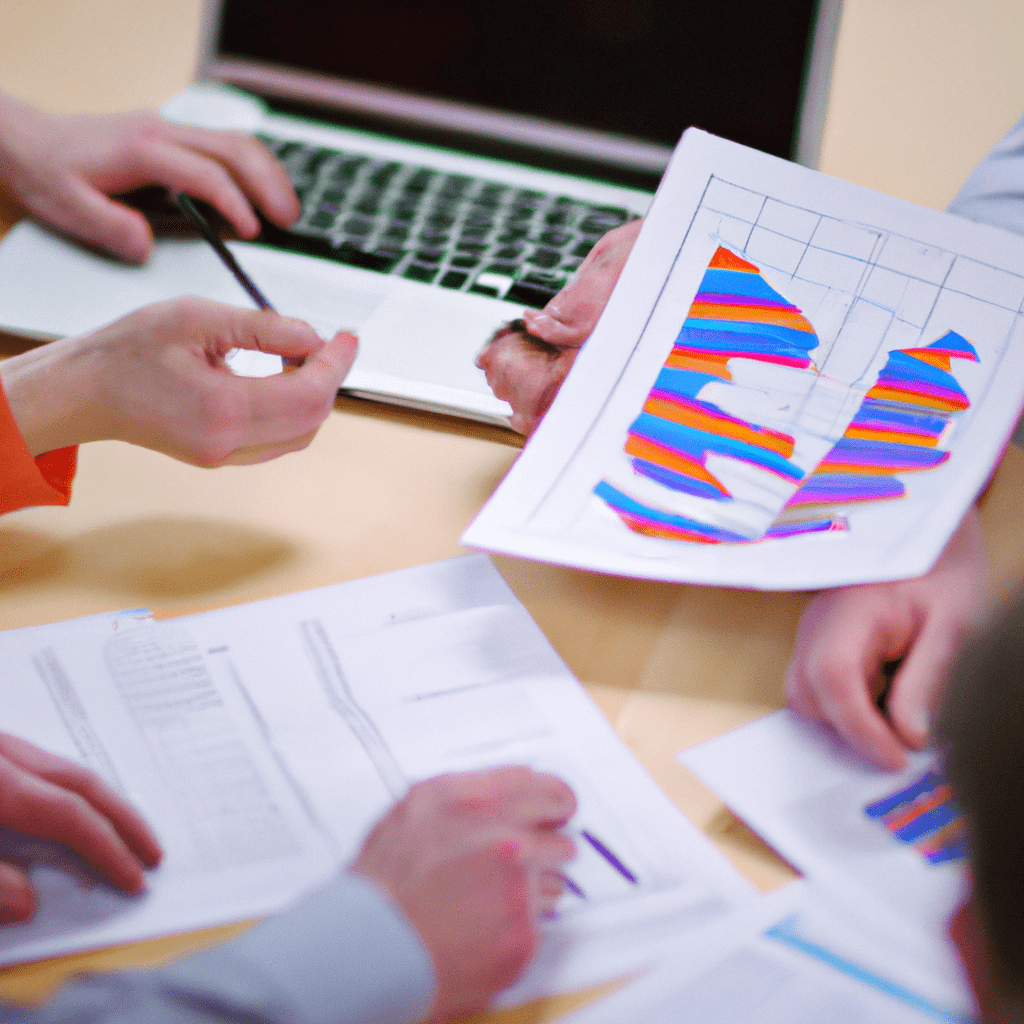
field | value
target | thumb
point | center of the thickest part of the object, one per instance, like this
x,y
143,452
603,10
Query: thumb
x,y
917,682
296,342
332,360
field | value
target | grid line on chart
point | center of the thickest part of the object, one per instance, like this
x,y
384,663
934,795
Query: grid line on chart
x,y
866,290
805,248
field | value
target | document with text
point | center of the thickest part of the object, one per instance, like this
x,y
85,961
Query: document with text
x,y
263,741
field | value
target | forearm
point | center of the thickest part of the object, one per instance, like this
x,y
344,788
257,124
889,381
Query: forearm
x,y
346,956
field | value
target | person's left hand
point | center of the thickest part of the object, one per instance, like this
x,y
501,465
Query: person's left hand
x,y
527,360
158,378
62,169
48,797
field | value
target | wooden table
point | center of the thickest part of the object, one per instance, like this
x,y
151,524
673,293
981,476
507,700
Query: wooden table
x,y
381,489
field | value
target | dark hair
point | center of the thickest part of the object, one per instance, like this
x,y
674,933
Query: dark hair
x,y
981,728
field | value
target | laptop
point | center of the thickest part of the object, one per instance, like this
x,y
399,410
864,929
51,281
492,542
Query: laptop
x,y
456,161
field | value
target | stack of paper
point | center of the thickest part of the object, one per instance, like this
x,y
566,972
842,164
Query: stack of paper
x,y
263,741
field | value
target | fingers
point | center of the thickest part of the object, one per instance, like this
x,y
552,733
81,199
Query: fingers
x,y
848,706
251,164
569,318
85,213
63,168
526,376
17,895
531,799
919,680
48,797
285,410
834,676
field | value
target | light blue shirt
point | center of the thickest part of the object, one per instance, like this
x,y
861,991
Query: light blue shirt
x,y
994,194
346,956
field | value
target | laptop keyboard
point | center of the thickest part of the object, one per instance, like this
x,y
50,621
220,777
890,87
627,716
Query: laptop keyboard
x,y
454,231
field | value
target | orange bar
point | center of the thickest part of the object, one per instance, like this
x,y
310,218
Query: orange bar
x,y
725,260
926,355
694,416
714,364
939,795
899,437
642,448
791,318
913,398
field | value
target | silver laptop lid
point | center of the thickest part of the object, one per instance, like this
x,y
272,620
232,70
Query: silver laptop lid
x,y
591,86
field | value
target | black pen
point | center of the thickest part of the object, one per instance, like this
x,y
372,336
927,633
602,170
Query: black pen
x,y
189,208
203,226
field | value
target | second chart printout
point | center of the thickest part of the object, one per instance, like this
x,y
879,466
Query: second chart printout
x,y
797,383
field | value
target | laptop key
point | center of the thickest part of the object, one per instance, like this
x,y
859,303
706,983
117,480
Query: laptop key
x,y
454,279
531,294
381,262
545,258
418,272
557,238
357,226
438,227
536,289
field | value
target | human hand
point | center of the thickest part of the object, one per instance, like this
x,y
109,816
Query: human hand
x,y
45,796
473,861
157,378
62,170
848,635
527,360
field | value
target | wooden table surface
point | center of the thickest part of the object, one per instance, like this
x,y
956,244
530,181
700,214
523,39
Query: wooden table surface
x,y
381,489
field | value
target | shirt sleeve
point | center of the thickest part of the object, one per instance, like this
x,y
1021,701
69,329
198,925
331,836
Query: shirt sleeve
x,y
994,191
346,956
25,480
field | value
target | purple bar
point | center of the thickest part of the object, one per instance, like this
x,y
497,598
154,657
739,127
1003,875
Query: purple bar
x,y
609,856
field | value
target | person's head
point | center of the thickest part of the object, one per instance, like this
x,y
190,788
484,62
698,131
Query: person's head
x,y
981,729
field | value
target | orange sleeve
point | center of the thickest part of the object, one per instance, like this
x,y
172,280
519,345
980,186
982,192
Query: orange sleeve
x,y
25,480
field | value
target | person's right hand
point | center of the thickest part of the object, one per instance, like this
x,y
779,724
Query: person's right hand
x,y
48,797
158,378
473,861
849,634
527,360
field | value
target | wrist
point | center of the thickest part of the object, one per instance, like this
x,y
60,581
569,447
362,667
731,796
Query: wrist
x,y
47,395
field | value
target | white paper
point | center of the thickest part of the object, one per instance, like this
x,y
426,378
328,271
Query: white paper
x,y
871,286
795,958
263,741
806,793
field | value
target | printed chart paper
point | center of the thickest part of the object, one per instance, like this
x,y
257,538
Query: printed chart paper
x,y
888,843
795,957
262,742
797,383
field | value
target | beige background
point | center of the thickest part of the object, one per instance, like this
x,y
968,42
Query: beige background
x,y
922,88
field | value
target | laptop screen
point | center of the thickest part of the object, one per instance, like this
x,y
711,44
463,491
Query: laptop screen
x,y
646,69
